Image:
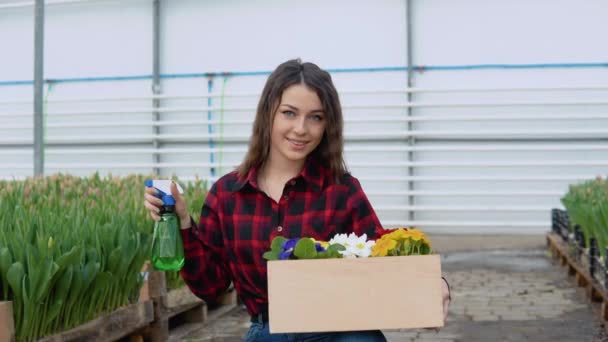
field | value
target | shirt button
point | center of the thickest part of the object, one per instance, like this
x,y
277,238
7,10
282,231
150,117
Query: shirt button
x,y
293,182
286,197
279,228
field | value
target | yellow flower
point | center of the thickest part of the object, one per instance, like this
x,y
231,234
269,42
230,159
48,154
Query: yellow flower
x,y
382,246
397,234
416,234
323,244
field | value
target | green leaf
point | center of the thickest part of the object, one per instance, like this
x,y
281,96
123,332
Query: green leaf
x,y
63,284
271,255
92,254
41,280
425,249
115,261
54,310
322,255
15,277
62,289
333,251
70,258
103,281
276,244
88,274
407,247
6,260
305,249
31,234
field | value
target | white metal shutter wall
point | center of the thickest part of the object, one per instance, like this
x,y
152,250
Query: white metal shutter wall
x,y
491,159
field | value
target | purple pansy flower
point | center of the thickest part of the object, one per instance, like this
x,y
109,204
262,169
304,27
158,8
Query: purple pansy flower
x,y
288,247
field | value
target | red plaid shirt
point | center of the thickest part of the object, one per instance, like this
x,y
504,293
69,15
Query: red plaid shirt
x,y
238,222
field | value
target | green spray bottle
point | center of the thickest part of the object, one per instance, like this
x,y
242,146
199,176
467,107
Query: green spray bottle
x,y
167,245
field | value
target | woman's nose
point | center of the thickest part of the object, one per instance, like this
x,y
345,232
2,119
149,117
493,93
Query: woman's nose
x,y
300,126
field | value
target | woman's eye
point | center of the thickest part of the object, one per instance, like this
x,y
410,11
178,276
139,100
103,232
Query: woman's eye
x,y
289,113
317,117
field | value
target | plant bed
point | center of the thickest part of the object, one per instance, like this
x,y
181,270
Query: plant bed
x,y
178,312
595,292
108,327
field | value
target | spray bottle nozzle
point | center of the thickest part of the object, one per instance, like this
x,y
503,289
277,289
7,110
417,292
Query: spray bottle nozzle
x,y
168,200
163,186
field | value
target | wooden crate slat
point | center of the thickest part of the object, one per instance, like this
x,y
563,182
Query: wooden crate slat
x,y
178,312
7,325
111,326
181,297
108,327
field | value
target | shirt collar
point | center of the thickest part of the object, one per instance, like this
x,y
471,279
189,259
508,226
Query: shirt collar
x,y
314,173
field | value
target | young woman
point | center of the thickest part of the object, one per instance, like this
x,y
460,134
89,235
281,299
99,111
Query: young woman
x,y
293,182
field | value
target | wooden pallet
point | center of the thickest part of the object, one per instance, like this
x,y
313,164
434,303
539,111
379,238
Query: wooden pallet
x,y
595,292
108,327
178,312
160,315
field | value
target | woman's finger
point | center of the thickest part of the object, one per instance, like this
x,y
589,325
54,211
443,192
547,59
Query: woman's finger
x,y
152,199
175,193
150,190
151,207
154,216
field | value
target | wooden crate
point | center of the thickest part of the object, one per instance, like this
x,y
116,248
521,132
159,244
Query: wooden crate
x,y
108,327
178,312
343,286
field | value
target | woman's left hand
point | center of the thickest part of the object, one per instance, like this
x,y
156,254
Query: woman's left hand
x,y
445,289
447,297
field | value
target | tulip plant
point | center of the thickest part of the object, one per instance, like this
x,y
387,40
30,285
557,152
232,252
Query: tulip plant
x,y
72,248
587,206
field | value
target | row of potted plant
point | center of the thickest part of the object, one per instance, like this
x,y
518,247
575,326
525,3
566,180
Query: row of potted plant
x,y
585,224
72,248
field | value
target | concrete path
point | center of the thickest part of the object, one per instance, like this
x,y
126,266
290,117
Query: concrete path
x,y
504,289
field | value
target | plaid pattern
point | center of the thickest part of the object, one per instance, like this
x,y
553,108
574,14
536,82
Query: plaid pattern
x,y
238,222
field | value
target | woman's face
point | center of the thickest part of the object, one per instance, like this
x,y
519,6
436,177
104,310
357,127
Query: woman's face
x,y
298,126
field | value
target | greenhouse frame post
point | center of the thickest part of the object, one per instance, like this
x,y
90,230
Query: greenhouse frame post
x,y
410,139
38,88
156,87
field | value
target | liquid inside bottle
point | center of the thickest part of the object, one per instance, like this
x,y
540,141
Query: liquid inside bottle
x,y
167,246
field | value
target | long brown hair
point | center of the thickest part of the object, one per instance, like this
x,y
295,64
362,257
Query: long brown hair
x,y
329,151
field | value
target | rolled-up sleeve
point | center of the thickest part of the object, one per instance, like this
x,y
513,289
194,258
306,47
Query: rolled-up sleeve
x,y
205,270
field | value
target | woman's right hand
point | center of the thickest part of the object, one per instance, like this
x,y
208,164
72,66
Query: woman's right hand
x,y
153,204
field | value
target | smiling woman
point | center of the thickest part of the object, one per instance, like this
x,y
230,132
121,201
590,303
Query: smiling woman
x,y
298,105
293,183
